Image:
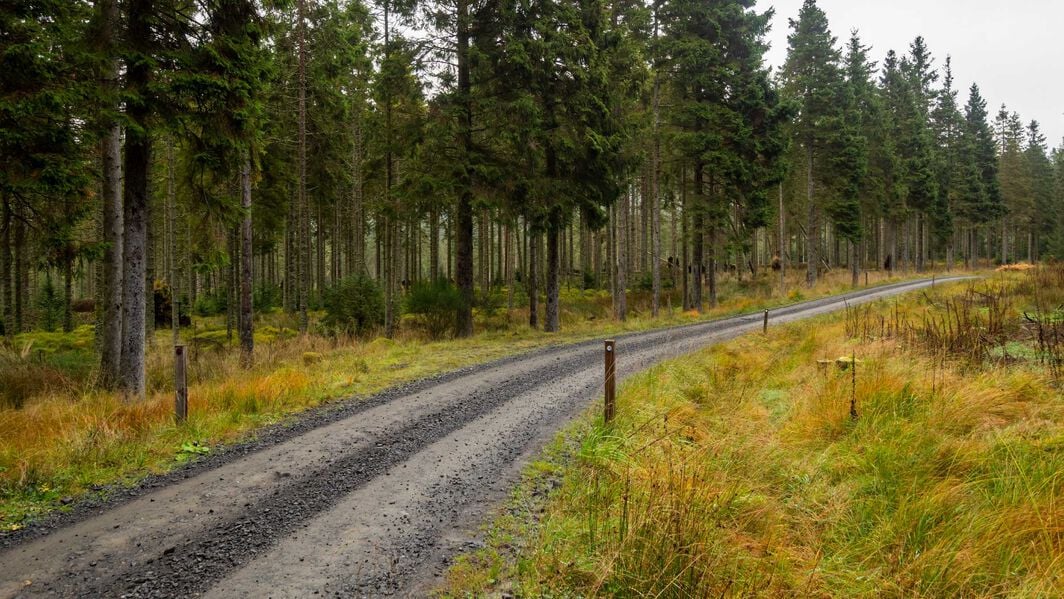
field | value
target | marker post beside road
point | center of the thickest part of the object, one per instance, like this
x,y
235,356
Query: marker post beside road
x,y
611,382
180,385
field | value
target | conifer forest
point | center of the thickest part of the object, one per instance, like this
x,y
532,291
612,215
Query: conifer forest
x,y
168,159
530,298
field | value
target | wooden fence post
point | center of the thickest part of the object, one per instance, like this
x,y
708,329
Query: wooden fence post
x,y
611,383
764,328
180,385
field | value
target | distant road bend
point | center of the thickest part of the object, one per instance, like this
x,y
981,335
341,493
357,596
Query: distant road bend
x,y
368,499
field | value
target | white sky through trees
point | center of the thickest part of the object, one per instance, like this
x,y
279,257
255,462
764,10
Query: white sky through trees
x,y
1014,49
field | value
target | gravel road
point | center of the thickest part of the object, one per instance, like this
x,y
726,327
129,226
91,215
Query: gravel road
x,y
369,498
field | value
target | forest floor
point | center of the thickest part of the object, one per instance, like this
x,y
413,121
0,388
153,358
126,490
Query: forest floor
x,y
66,440
367,497
740,470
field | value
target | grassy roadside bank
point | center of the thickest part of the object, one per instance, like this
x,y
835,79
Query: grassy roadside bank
x,y
739,471
72,440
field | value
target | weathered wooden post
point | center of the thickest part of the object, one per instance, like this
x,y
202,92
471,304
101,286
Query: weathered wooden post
x,y
180,385
764,328
611,383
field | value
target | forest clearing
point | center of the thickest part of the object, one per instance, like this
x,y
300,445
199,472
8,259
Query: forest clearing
x,y
319,279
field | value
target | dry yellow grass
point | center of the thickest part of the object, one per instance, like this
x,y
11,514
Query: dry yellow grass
x,y
738,471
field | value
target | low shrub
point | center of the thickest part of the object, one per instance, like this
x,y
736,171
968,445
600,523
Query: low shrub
x,y
50,306
436,306
353,306
267,297
211,304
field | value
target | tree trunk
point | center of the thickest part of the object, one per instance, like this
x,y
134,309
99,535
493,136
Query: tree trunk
x,y
434,245
6,274
357,261
137,171
552,324
1004,241
685,233
302,209
68,292
508,266
855,264
698,241
110,332
247,339
620,300
655,192
919,242
813,224
533,313
464,209
171,243
22,278
782,247
711,268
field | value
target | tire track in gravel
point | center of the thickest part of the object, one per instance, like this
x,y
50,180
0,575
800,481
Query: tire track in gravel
x,y
368,502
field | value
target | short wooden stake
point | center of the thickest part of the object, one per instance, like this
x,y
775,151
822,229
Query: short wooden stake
x,y
180,385
764,328
611,383
866,278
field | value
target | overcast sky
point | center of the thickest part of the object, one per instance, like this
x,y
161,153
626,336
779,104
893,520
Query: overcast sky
x,y
1013,49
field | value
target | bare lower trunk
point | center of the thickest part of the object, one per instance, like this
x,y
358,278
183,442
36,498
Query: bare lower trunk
x,y
655,193
171,244
711,268
22,281
620,300
1004,241
782,247
247,339
6,275
533,314
68,292
134,258
135,212
552,324
855,264
110,332
434,245
919,242
812,225
302,243
463,233
685,233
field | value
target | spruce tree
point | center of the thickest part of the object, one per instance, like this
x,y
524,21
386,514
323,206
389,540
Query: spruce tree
x,y
948,124
1042,187
979,198
812,76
